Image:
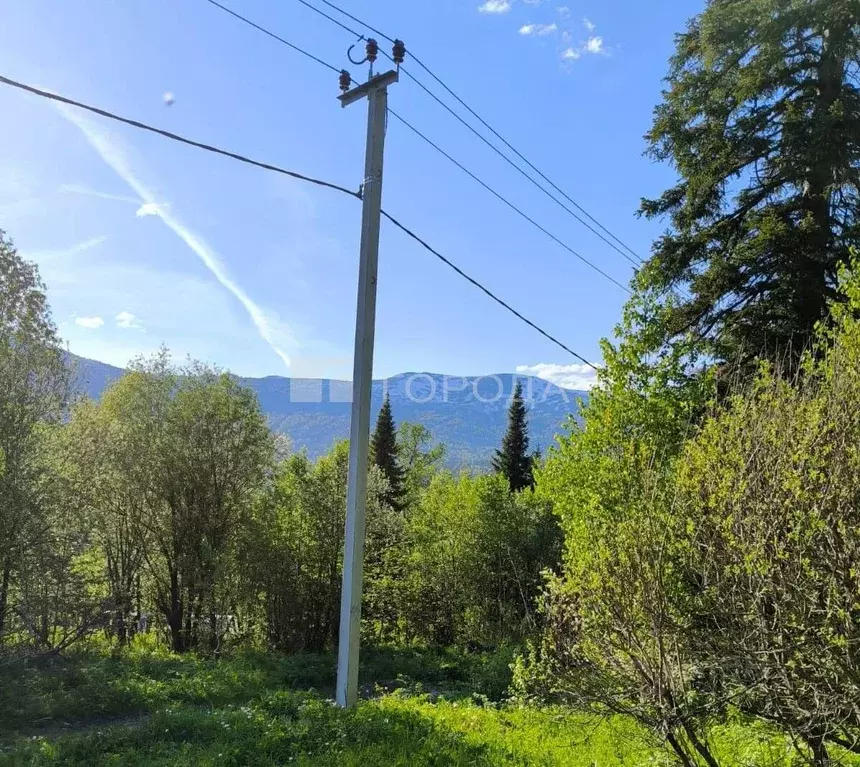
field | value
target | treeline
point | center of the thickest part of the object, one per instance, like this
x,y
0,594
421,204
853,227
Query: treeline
x,y
169,507
463,564
711,500
712,557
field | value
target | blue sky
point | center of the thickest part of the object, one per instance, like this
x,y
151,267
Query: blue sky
x,y
142,241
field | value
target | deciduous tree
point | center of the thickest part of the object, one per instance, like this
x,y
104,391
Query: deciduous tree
x,y
194,446
34,392
419,461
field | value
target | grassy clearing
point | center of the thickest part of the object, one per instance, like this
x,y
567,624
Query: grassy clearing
x,y
94,685
150,708
300,728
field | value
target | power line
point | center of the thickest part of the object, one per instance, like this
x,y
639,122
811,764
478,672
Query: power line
x,y
636,261
177,137
273,35
507,202
350,16
483,122
633,258
458,164
530,164
485,290
301,177
343,26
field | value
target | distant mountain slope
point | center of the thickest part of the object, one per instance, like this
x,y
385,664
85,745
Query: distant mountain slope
x,y
467,414
91,377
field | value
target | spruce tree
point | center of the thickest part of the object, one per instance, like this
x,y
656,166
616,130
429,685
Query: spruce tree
x,y
513,460
761,121
383,453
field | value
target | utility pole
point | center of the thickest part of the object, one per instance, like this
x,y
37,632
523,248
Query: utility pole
x,y
376,92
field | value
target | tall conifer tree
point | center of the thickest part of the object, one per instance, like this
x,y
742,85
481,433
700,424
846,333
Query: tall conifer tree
x,y
383,452
761,121
513,460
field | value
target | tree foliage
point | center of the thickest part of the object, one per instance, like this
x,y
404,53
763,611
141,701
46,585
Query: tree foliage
x,y
711,564
611,628
384,454
513,459
769,489
34,382
175,458
761,119
477,554
91,446
293,551
419,460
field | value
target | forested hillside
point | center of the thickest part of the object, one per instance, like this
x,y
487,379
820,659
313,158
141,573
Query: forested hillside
x,y
466,414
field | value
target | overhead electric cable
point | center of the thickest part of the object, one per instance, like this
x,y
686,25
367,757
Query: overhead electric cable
x,y
486,290
176,137
462,102
301,177
507,202
435,146
271,34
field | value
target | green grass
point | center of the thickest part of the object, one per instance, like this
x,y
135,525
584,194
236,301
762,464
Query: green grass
x,y
149,708
95,683
300,728
92,685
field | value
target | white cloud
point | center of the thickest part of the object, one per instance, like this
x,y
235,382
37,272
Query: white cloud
x,y
495,6
148,209
575,376
589,25
192,313
564,11
127,321
594,45
87,192
61,254
538,29
275,333
91,323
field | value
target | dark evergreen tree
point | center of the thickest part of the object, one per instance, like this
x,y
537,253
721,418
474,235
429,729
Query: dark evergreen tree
x,y
383,452
513,460
761,120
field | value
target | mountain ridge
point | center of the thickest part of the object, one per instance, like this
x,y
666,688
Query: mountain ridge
x,y
466,413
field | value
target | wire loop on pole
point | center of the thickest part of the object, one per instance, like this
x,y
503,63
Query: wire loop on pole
x,y
349,53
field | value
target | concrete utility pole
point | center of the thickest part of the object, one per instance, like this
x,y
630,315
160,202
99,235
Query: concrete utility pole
x,y
376,92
